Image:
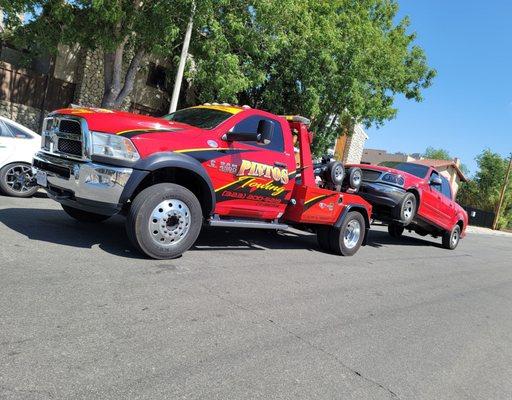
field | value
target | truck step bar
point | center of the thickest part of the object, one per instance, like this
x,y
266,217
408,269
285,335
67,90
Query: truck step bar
x,y
242,223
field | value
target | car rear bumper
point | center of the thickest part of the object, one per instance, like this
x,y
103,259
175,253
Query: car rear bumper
x,y
88,186
381,194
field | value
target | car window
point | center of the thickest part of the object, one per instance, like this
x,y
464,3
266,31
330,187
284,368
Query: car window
x,y
414,169
250,125
205,118
435,187
17,132
4,130
445,188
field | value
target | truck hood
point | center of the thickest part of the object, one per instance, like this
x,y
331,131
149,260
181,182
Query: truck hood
x,y
382,168
117,122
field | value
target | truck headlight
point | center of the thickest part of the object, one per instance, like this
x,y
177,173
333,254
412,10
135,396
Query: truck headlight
x,y
393,178
114,146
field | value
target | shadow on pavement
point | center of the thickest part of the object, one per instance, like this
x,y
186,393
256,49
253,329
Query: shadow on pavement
x,y
382,238
55,226
254,239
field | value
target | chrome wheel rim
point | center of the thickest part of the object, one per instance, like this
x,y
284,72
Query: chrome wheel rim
x,y
169,222
455,237
408,209
356,180
352,234
338,173
18,178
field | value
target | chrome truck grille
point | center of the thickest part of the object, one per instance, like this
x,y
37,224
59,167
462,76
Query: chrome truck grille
x,y
66,137
371,175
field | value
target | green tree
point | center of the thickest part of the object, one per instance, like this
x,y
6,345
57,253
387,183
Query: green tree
x,y
437,154
483,190
124,30
442,154
339,62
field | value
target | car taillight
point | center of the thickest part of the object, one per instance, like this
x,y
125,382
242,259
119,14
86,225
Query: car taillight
x,y
394,179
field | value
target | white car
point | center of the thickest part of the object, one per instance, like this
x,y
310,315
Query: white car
x,y
17,147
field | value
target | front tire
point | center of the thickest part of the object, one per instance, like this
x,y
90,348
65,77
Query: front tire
x,y
15,180
84,216
347,239
395,230
451,238
406,210
164,221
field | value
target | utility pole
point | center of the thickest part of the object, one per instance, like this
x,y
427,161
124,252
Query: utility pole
x,y
183,60
47,82
502,194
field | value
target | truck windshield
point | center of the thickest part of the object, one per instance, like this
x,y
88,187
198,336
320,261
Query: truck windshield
x,y
205,118
414,169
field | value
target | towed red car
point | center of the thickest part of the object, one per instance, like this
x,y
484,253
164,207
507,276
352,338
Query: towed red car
x,y
415,197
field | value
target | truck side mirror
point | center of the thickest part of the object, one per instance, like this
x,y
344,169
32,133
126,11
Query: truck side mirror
x,y
265,131
262,135
436,181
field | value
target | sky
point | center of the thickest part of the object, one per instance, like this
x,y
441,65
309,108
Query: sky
x,y
469,106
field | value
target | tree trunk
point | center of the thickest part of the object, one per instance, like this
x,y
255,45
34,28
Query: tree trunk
x,y
115,88
108,66
129,78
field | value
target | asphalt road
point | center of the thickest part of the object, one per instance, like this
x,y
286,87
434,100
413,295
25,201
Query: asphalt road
x,y
248,315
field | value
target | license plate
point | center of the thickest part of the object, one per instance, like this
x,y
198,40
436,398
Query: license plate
x,y
41,178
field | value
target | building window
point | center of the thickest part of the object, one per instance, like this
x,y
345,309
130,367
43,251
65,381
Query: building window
x,y
156,76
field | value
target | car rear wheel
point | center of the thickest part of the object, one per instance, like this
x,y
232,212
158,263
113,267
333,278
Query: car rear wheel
x,y
84,216
347,239
406,209
164,220
451,238
395,230
15,180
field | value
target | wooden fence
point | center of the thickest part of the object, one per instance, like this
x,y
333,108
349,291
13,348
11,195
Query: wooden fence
x,y
22,86
479,217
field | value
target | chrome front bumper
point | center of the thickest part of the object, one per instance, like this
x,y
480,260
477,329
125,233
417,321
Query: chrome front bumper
x,y
85,185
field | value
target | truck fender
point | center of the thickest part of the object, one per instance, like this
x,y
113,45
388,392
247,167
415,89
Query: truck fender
x,y
144,167
362,210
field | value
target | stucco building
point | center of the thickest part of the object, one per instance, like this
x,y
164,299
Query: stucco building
x,y
450,169
376,156
349,148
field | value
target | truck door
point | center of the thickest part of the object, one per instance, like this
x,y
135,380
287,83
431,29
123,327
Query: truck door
x,y
262,174
432,202
448,206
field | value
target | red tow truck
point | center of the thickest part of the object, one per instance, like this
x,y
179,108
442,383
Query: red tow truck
x,y
221,165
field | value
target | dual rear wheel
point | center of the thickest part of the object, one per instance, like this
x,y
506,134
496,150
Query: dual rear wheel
x,y
346,239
